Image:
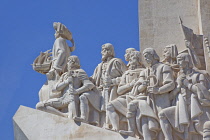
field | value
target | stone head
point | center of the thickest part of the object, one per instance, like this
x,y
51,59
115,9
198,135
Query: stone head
x,y
127,53
150,56
135,58
107,51
184,61
170,52
62,31
73,62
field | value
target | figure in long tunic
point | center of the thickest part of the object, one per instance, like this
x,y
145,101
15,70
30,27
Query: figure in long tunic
x,y
192,106
107,76
117,109
61,50
153,87
60,53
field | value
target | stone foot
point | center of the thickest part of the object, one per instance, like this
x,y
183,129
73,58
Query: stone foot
x,y
79,119
128,133
106,126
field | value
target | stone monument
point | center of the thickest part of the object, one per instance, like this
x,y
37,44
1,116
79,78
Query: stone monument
x,y
159,24
162,93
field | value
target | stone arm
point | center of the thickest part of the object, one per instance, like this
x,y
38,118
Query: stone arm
x,y
87,85
168,81
61,84
142,85
95,78
123,87
192,87
117,71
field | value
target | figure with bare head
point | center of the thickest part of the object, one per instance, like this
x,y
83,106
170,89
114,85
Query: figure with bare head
x,y
127,54
107,76
152,95
117,108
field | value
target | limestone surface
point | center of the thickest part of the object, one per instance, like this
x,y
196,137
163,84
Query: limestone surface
x,y
32,124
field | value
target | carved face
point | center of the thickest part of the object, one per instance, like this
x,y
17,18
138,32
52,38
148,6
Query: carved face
x,y
133,59
182,64
148,57
56,35
127,54
105,53
166,53
70,64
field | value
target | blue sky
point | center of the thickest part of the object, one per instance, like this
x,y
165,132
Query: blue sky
x,y
26,30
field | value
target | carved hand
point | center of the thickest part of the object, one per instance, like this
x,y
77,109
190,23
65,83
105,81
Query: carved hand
x,y
51,74
132,83
107,81
186,82
180,80
187,43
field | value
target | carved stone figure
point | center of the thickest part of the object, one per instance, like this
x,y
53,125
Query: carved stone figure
x,y
127,54
107,76
61,50
192,106
170,53
153,87
55,65
117,109
73,86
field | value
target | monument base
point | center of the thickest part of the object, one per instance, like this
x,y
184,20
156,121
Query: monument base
x,y
32,124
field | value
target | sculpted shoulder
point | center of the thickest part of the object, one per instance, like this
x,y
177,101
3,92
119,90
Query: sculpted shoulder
x,y
81,74
165,67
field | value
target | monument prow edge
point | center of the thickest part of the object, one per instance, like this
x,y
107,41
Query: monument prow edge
x,y
32,124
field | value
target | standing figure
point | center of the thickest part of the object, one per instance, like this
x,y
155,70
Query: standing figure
x,y
107,76
117,109
60,53
192,107
153,87
61,50
73,86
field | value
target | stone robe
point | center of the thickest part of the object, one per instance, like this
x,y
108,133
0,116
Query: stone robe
x,y
146,105
193,106
60,53
120,103
114,69
82,84
164,81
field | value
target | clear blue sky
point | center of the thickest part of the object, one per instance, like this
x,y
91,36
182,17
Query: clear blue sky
x,y
26,29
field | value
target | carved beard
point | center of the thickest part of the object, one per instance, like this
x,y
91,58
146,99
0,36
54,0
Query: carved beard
x,y
105,56
71,66
148,62
126,58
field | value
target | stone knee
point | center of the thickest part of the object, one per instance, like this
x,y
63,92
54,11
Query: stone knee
x,y
83,99
131,110
40,105
110,107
